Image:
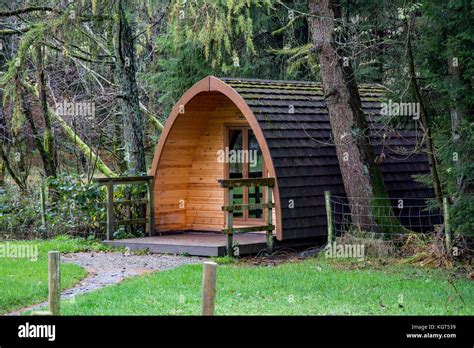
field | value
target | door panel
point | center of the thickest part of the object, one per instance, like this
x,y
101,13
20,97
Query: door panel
x,y
250,165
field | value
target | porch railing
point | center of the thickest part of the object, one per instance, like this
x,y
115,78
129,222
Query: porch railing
x,y
268,205
111,222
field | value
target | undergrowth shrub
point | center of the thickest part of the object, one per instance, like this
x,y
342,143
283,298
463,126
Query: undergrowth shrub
x,y
422,249
72,207
19,214
462,216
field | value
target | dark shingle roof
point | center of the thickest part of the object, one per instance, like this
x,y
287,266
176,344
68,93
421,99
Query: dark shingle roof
x,y
305,158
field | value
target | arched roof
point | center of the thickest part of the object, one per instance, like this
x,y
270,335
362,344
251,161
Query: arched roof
x,y
290,121
213,84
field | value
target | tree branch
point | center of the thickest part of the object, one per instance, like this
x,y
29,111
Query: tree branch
x,y
73,136
28,10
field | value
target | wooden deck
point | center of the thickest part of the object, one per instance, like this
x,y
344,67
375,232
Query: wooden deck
x,y
194,243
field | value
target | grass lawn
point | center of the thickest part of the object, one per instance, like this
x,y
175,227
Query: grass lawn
x,y
315,286
24,282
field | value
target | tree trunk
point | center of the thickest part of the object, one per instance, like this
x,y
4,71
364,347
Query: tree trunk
x,y
49,151
361,176
19,177
426,123
3,59
3,162
2,173
26,110
130,105
459,115
117,143
6,163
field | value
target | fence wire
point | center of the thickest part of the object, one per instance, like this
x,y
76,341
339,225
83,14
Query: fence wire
x,y
380,220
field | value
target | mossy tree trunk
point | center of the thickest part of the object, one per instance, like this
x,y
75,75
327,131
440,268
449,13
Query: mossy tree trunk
x,y
133,135
48,150
2,119
132,122
362,178
4,162
2,173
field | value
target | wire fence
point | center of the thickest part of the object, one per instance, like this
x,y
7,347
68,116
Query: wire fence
x,y
384,218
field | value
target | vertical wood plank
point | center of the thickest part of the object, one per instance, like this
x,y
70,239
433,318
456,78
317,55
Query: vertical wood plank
x,y
230,222
110,211
327,198
268,200
447,226
54,282
151,209
208,288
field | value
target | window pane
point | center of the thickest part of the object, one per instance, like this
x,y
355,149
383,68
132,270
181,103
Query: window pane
x,y
255,157
255,171
235,144
236,167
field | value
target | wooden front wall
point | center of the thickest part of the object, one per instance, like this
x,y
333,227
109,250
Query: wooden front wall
x,y
188,169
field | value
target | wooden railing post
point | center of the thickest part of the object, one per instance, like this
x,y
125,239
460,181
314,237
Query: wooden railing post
x,y
208,287
110,210
327,196
268,200
230,222
447,226
54,282
230,207
112,222
151,209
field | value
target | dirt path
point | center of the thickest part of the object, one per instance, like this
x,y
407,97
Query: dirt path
x,y
111,268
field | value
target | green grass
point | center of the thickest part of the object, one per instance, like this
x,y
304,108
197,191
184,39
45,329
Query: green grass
x,y
315,286
24,282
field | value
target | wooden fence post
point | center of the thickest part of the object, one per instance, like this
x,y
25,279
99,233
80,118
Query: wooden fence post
x,y
447,226
151,209
54,282
208,287
110,210
268,200
327,196
230,222
43,207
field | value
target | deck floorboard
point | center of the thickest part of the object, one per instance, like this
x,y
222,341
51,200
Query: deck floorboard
x,y
194,243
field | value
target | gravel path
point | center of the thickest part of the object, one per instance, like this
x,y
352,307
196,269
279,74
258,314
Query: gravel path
x,y
111,268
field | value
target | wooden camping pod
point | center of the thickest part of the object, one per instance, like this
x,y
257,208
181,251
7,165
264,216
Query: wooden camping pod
x,y
290,121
